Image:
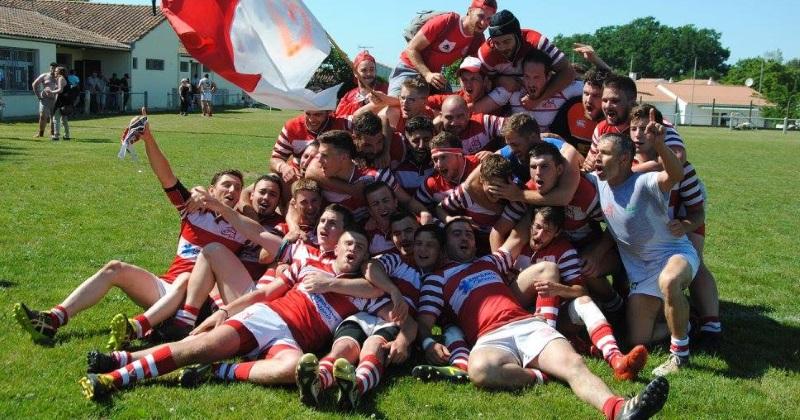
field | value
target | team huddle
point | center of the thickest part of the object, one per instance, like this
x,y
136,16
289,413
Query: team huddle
x,y
535,217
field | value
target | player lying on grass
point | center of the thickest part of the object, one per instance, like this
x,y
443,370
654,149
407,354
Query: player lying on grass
x,y
263,202
368,341
281,322
546,243
197,229
511,347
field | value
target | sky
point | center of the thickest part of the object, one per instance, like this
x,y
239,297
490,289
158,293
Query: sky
x,y
379,24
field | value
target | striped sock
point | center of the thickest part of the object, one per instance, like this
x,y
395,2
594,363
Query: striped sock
x,y
710,324
121,358
612,406
603,338
679,346
141,324
158,363
368,373
232,371
187,315
547,308
326,372
459,354
539,376
59,316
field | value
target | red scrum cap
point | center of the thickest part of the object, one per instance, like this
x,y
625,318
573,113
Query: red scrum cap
x,y
488,5
361,57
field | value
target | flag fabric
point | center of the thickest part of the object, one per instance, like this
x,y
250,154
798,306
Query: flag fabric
x,y
269,48
131,135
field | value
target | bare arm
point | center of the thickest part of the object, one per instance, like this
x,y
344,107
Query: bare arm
x,y
158,162
519,236
414,52
564,76
499,233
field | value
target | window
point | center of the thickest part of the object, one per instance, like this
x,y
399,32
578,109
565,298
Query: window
x,y
184,66
135,63
153,64
17,69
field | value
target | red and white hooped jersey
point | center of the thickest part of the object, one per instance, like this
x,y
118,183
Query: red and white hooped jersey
x,y
686,194
312,317
559,251
357,205
295,136
671,137
198,229
580,212
411,176
250,252
481,132
546,110
448,42
379,242
460,202
496,63
353,100
404,275
474,294
435,187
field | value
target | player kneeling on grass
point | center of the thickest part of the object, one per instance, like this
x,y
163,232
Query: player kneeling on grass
x,y
548,244
281,321
687,217
198,228
659,265
512,348
368,340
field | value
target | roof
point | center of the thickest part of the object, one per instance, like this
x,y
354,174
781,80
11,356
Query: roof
x,y
122,23
697,92
29,24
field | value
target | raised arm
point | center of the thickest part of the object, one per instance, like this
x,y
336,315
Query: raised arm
x,y
158,162
414,52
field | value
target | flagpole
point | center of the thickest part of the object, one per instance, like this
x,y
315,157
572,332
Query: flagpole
x,y
350,63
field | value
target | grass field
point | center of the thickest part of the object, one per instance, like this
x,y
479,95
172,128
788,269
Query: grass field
x,y
68,207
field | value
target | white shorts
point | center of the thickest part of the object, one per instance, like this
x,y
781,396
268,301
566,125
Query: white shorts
x,y
206,96
524,339
649,285
46,107
268,328
162,286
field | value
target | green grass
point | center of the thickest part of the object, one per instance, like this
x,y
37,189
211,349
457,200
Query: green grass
x,y
68,207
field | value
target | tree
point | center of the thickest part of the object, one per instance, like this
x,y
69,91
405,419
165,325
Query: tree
x,y
656,50
779,85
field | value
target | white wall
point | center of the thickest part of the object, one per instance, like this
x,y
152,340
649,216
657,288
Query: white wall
x,y
22,104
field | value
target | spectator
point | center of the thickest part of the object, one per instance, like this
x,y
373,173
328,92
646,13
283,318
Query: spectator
x,y
42,88
113,90
185,95
62,106
125,87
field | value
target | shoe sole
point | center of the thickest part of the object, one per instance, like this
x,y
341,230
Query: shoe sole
x,y
345,381
119,333
656,393
87,388
304,377
430,373
21,316
94,365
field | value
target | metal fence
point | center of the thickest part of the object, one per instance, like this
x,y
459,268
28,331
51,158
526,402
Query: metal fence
x,y
733,121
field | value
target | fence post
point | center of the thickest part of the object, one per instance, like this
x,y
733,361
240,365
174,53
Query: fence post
x,y
785,124
713,105
145,99
87,102
750,115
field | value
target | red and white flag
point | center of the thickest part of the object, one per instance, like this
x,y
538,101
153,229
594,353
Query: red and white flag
x,y
269,48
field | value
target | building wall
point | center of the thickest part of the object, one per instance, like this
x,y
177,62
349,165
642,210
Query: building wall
x,y
22,104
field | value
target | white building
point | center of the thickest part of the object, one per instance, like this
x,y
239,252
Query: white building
x,y
94,37
702,102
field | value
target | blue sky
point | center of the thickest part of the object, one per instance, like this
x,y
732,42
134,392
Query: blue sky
x,y
749,28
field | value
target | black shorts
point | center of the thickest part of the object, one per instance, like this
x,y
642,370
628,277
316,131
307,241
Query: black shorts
x,y
353,330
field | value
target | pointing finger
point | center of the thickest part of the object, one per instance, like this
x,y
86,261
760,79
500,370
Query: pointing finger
x,y
652,115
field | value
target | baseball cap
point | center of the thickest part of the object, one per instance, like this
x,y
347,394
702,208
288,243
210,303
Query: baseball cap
x,y
470,64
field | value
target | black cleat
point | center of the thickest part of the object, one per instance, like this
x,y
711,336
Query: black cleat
x,y
647,403
99,362
38,324
195,375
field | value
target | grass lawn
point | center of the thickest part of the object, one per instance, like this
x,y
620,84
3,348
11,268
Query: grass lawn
x,y
68,207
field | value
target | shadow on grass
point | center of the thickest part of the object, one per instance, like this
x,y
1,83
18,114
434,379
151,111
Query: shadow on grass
x,y
6,284
69,335
93,140
754,343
